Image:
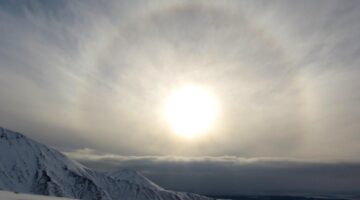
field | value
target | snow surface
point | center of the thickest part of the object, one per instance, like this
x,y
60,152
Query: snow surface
x,y
133,177
27,166
5,195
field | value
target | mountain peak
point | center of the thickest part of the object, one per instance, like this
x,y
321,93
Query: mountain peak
x,y
8,134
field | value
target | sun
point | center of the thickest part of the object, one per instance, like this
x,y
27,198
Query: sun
x,y
191,111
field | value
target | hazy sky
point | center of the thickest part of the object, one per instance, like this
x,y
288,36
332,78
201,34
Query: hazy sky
x,y
91,78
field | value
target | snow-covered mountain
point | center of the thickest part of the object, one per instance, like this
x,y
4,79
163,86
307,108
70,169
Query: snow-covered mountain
x,y
27,166
5,195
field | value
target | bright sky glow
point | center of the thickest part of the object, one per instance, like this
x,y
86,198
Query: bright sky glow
x,y
191,111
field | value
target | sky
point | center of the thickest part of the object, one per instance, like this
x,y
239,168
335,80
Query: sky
x,y
92,78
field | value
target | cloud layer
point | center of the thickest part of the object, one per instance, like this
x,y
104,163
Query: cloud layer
x,y
95,74
234,175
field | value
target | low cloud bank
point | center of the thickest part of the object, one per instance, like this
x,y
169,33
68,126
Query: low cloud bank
x,y
234,175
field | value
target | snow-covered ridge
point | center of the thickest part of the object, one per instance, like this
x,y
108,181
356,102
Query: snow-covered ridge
x,y
5,195
27,166
134,177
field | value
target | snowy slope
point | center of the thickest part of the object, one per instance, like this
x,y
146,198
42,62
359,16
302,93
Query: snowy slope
x,y
27,166
4,195
134,177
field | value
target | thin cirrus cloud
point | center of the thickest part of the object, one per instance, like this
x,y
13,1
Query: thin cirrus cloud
x,y
76,75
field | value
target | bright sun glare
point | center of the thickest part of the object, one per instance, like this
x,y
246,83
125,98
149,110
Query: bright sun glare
x,y
191,111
